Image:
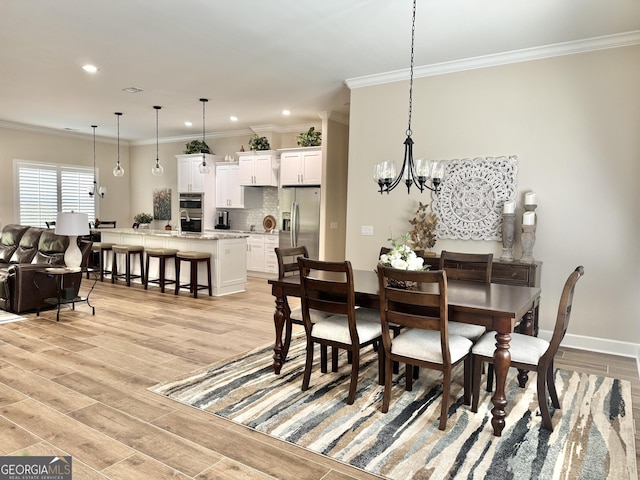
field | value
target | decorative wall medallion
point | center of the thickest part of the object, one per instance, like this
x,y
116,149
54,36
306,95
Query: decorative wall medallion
x,y
469,205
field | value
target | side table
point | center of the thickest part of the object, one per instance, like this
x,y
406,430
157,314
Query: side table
x,y
66,281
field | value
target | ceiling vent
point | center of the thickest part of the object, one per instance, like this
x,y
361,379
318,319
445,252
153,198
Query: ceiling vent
x,y
132,90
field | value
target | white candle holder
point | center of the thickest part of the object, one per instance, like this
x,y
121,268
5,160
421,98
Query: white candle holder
x,y
508,236
528,241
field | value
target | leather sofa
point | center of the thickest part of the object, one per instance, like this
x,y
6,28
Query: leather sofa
x,y
24,253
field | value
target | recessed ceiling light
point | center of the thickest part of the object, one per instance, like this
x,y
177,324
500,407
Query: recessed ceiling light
x,y
233,118
188,124
132,90
90,68
286,112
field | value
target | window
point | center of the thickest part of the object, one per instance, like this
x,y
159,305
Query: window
x,y
43,190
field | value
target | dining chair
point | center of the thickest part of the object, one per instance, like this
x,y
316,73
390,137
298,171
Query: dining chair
x,y
467,267
531,353
328,287
425,341
470,267
288,266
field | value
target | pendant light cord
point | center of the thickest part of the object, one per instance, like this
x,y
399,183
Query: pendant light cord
x,y
157,156
118,117
413,38
95,183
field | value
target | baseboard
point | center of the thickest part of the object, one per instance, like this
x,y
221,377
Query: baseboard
x,y
601,345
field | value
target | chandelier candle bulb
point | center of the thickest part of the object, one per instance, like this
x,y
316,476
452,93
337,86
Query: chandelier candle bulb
x,y
528,218
509,207
530,198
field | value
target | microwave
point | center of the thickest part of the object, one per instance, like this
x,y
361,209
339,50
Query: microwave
x,y
191,201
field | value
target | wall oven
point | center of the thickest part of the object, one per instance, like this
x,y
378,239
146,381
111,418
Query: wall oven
x,y
190,212
194,224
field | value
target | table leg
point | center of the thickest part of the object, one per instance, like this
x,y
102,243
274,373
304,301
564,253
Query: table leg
x,y
278,320
501,362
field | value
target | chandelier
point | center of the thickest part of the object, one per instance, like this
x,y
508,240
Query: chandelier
x,y
413,172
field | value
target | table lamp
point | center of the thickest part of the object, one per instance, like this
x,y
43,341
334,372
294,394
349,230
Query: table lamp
x,y
72,224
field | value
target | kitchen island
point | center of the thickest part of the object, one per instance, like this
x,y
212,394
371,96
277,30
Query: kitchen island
x,y
228,254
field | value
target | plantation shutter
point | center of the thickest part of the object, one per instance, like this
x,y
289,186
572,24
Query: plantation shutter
x,y
74,185
46,189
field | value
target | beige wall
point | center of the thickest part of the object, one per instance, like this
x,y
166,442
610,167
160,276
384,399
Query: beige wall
x,y
334,191
574,123
45,147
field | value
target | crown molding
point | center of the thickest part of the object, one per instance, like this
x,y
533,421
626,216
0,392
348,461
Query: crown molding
x,y
61,133
525,55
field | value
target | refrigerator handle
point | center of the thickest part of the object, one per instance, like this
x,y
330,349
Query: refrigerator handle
x,y
295,223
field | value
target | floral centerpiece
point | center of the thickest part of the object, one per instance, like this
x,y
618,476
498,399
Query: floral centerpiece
x,y
402,256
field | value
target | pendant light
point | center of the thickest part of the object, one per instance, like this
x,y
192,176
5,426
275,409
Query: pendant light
x,y
157,168
416,172
203,167
94,189
118,171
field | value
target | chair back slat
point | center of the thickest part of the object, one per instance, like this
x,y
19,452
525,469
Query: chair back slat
x,y
468,267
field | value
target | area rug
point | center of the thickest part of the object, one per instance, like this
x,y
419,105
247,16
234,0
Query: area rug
x,y
592,438
8,317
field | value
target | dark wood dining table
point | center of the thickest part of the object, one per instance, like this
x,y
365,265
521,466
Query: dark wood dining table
x,y
496,306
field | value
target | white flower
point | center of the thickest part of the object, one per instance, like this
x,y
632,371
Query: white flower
x,y
401,256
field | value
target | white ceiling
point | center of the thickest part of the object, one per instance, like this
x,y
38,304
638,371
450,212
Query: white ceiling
x,y
250,58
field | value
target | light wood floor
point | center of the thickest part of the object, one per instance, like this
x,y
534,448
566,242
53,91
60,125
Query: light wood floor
x,y
79,388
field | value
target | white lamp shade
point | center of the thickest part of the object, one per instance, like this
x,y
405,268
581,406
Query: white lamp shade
x,y
71,223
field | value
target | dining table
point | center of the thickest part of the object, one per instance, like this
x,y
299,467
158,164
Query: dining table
x,y
495,306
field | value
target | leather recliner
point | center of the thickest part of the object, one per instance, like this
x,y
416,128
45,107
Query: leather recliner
x,y
24,253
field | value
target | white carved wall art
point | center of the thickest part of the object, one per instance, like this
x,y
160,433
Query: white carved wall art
x,y
469,205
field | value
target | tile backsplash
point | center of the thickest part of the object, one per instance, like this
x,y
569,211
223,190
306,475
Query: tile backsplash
x,y
263,201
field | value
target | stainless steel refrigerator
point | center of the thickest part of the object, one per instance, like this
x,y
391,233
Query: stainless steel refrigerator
x,y
300,218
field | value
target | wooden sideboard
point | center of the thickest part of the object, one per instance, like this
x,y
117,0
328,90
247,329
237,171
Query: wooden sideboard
x,y
510,273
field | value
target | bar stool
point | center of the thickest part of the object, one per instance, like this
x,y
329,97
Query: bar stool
x,y
193,258
102,249
162,254
129,251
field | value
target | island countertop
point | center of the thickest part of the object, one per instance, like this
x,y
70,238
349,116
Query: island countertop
x,y
228,254
207,235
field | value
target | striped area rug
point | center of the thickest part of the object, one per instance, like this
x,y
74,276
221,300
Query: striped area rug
x,y
592,438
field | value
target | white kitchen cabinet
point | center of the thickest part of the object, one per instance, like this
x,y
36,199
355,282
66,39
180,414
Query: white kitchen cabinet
x,y
261,254
300,166
255,253
229,192
258,169
189,177
270,259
